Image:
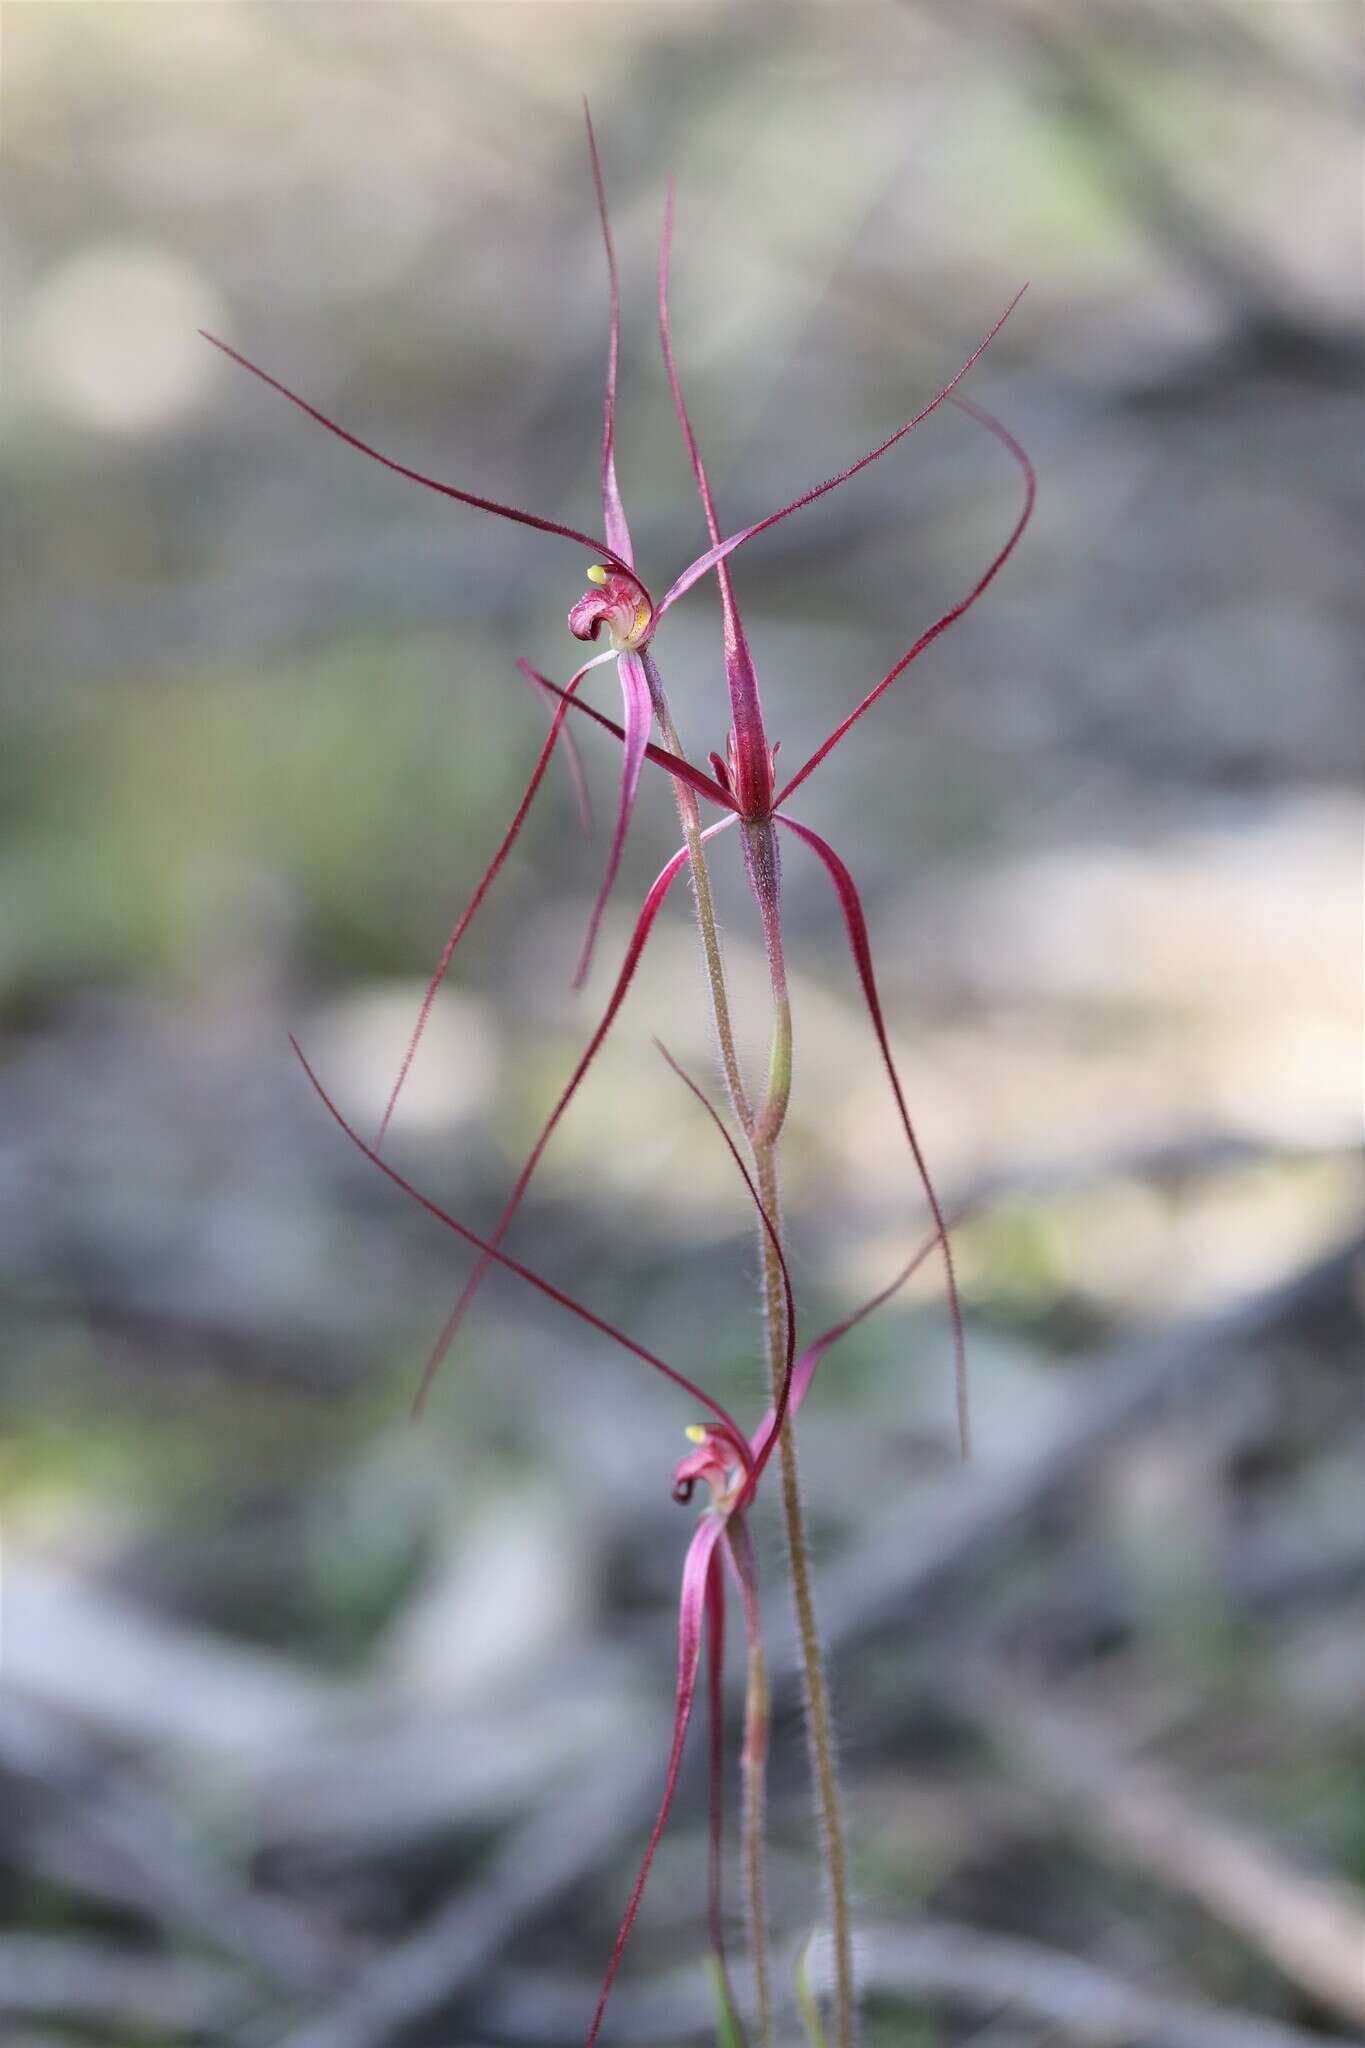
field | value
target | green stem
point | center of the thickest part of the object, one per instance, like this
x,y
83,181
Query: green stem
x,y
819,1723
762,860
753,1773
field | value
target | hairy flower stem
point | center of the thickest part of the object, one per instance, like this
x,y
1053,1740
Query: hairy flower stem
x,y
754,1759
763,1129
763,864
819,1724
753,1775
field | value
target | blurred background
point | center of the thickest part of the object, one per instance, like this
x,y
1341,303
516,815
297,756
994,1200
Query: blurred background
x,y
323,1729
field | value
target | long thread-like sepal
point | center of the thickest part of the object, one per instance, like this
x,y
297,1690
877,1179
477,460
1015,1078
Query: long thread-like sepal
x,y
644,925
850,903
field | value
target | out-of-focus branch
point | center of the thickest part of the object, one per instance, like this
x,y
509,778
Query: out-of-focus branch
x,y
934,1961
100,1832
1237,43
989,1972
1310,1927
75,1977
1150,189
538,1864
896,1577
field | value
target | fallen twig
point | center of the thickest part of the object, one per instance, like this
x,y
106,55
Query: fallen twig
x,y
898,1574
432,1968
934,1962
72,1977
1310,1927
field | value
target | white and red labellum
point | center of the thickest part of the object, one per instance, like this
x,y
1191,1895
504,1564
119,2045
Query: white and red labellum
x,y
616,603
713,1461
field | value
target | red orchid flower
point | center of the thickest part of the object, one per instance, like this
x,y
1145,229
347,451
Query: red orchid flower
x,y
727,1462
618,602
743,787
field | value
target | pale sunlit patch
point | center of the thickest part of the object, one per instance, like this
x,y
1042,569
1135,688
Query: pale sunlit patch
x,y
359,1039
111,337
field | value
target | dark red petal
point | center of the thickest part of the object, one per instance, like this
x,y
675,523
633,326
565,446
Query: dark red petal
x,y
715,1691
743,1562
639,713
949,618
491,1253
509,837
851,906
751,747
696,1577
644,924
698,569
613,511
572,757
429,483
662,758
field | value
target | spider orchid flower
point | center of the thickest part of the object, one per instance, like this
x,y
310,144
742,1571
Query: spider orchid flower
x,y
743,786
724,1460
618,604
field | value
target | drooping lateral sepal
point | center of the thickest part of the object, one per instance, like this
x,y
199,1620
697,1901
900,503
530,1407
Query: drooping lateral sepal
x,y
644,925
566,700
639,712
701,1561
724,1421
855,923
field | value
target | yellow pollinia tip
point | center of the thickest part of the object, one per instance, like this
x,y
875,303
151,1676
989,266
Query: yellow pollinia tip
x,y
597,574
694,1433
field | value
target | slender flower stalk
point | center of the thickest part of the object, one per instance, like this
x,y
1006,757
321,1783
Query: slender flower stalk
x,y
781,1325
732,1465
741,784
747,773
754,1769
763,867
